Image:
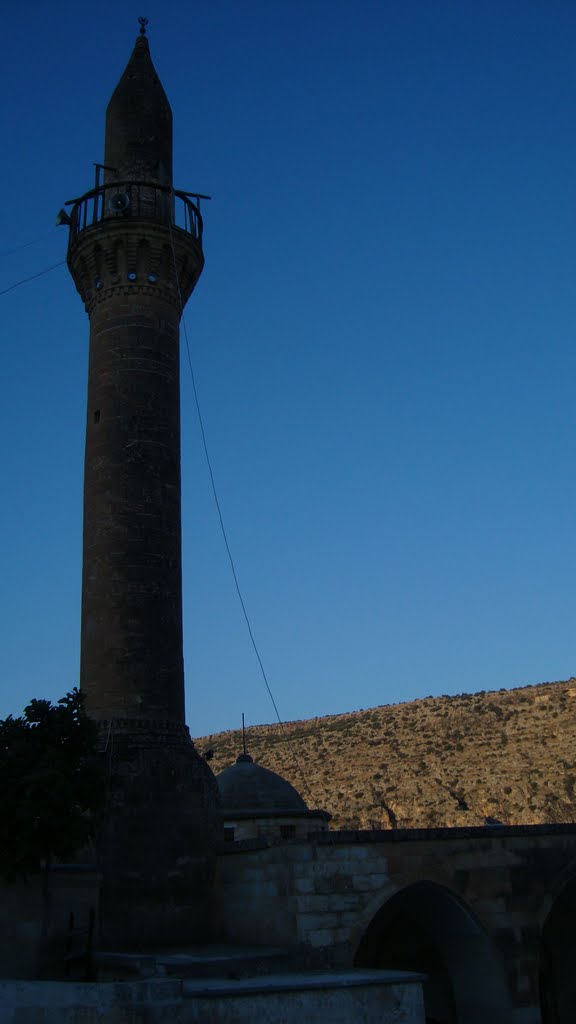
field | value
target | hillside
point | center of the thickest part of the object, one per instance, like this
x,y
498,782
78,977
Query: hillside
x,y
508,755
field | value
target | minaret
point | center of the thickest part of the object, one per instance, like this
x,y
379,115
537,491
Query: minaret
x,y
135,253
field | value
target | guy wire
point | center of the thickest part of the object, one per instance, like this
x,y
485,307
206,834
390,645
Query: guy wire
x,y
32,277
26,245
222,527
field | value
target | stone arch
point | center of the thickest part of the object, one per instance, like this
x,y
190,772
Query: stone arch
x,y
426,928
565,876
557,977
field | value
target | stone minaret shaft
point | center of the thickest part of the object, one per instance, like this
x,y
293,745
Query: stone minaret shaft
x,y
124,268
135,253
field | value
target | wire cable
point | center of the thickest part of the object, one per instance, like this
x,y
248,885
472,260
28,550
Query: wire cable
x,y
32,277
26,245
223,528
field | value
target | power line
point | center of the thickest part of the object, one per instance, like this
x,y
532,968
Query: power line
x,y
32,277
223,528
26,245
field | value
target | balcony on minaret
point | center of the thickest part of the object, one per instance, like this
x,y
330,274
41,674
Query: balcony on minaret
x,y
145,201
135,233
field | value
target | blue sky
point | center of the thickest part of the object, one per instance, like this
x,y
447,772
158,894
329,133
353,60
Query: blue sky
x,y
383,339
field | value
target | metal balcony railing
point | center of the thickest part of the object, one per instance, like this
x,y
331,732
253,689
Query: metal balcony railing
x,y
136,200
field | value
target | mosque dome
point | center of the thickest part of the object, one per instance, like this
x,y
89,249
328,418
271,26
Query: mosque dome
x,y
259,804
246,787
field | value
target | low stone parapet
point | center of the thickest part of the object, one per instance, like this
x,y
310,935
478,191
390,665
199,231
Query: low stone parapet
x,y
75,1002
341,997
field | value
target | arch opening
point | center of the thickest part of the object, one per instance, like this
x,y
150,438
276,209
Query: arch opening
x,y
425,928
557,976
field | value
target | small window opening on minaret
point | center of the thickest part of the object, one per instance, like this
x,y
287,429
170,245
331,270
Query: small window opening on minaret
x,y
97,416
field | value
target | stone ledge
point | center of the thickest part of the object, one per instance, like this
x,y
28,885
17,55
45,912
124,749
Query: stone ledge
x,y
299,982
334,838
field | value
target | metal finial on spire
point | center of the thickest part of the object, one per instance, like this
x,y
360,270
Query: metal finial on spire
x,y
243,735
143,22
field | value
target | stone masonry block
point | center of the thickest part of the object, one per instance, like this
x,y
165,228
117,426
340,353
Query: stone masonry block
x,y
256,874
298,854
342,934
350,866
347,918
368,883
313,903
316,922
321,937
355,853
304,885
345,901
329,902
259,890
335,883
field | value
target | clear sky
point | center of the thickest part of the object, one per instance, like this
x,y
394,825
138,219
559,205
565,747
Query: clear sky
x,y
383,339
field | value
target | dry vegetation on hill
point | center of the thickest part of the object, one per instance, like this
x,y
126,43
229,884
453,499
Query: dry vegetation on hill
x,y
508,756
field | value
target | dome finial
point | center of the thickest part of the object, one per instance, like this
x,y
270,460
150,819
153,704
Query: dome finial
x,y
244,757
143,22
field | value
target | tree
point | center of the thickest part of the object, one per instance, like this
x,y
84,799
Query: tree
x,y
51,784
52,789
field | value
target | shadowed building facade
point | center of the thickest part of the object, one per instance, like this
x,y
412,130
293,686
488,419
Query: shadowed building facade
x,y
135,254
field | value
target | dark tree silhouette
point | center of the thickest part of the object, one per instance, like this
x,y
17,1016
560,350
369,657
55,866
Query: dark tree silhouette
x,y
52,789
51,784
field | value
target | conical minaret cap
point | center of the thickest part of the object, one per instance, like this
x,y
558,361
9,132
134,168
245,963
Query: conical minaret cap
x,y
139,123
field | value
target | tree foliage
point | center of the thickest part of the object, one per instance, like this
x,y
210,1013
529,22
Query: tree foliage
x,y
51,784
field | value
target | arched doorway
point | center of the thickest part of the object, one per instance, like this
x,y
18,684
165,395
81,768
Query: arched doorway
x,y
558,959
426,928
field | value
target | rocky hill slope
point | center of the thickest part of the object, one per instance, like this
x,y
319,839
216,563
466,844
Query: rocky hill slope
x,y
506,756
